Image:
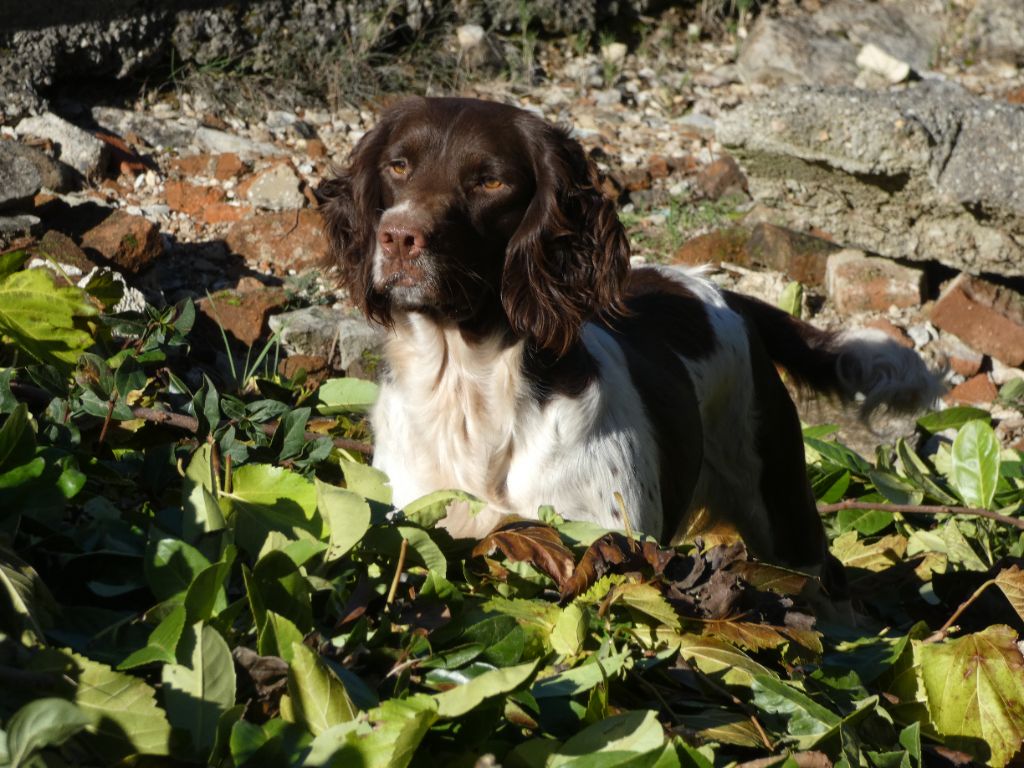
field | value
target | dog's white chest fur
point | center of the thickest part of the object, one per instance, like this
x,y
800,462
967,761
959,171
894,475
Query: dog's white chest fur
x,y
461,416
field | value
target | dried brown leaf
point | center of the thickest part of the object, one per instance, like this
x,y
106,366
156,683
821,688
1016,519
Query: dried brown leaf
x,y
1011,582
534,543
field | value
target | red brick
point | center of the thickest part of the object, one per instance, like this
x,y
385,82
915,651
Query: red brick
x,y
714,248
191,198
891,330
130,242
281,241
316,149
859,283
988,317
315,367
243,315
221,167
720,178
799,256
658,167
960,357
976,390
635,179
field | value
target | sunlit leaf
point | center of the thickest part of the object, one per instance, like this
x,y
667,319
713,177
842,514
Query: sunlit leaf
x,y
975,692
975,470
318,696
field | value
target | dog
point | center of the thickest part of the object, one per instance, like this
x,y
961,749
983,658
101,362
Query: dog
x,y
529,365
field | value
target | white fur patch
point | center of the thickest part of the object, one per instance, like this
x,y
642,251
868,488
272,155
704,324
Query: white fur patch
x,y
877,371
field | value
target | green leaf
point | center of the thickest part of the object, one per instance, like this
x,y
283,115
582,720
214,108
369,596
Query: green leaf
x,y
592,672
720,660
975,692
346,396
425,547
163,641
895,488
570,631
42,723
196,695
951,418
389,740
38,317
791,300
366,481
975,470
803,715
318,696
290,436
464,698
427,510
615,738
12,261
171,566
276,636
206,595
123,710
265,498
346,514
647,600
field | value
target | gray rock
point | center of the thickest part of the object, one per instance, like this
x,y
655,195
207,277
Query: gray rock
x,y
172,132
929,173
329,333
276,189
995,31
821,49
16,226
212,140
75,147
19,177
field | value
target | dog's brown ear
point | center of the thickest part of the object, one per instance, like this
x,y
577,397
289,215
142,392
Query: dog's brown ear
x,y
350,203
569,258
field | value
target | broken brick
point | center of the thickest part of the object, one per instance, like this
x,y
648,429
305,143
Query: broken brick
x,y
859,283
130,242
986,316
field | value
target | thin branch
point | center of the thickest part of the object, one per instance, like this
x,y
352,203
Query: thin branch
x,y
187,423
940,633
398,571
922,509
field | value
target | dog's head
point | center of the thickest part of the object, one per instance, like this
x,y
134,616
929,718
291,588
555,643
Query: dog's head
x,y
476,212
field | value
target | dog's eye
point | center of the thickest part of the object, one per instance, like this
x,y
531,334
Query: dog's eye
x,y
398,167
491,183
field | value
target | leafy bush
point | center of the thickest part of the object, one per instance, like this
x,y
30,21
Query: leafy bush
x,y
206,576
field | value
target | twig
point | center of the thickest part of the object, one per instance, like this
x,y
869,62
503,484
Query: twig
x,y
940,633
921,509
398,571
107,419
181,421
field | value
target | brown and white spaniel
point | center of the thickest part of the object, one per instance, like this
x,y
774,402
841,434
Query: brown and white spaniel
x,y
529,365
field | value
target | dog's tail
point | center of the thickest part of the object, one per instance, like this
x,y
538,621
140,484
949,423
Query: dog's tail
x,y
863,366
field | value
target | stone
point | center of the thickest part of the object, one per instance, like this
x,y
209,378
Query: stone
x,y
926,173
276,189
63,250
15,226
333,334
19,177
994,31
131,243
281,241
874,59
316,149
720,178
172,132
822,48
859,283
658,167
988,317
75,147
243,315
220,142
977,390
